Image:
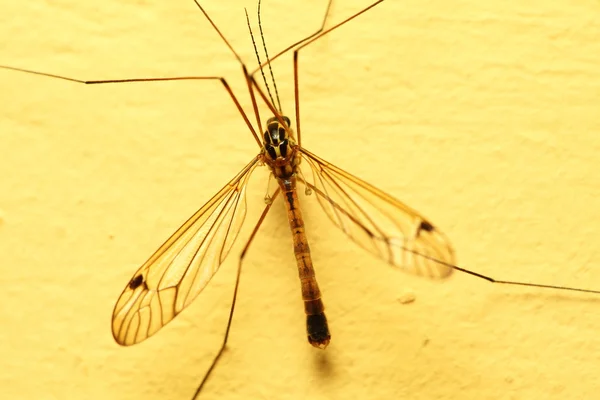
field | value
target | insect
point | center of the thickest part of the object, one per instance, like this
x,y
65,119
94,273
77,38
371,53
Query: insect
x,y
173,276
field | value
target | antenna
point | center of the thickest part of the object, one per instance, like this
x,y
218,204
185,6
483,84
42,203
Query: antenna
x,y
258,58
262,38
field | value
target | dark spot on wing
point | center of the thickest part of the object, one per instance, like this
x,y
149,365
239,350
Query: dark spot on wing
x,y
426,226
136,282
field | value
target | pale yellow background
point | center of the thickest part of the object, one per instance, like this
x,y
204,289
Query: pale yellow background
x,y
483,115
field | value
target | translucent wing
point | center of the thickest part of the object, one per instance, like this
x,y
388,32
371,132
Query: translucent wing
x,y
379,223
178,271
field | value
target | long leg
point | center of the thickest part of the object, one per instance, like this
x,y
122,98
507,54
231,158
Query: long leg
x,y
237,56
264,97
342,210
312,35
130,80
296,94
235,290
250,78
179,78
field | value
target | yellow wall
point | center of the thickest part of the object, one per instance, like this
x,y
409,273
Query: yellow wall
x,y
483,115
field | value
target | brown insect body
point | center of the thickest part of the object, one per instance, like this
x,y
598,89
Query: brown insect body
x,y
280,154
184,264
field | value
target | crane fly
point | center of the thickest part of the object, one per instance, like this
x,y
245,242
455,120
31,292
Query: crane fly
x,y
182,267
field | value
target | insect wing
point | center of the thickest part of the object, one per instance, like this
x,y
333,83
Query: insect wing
x,y
178,271
378,222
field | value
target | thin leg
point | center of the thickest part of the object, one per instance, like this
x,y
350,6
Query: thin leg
x,y
131,80
179,78
364,10
235,290
254,105
220,34
253,98
312,35
249,81
320,35
328,199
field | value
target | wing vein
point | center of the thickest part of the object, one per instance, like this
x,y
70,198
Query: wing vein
x,y
378,222
182,267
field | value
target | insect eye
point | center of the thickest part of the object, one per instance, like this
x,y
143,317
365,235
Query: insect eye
x,y
287,121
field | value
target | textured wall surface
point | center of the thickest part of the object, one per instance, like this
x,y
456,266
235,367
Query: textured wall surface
x,y
484,116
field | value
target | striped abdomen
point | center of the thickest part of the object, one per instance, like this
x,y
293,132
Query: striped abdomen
x,y
316,323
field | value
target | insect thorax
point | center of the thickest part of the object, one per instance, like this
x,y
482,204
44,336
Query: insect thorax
x,y
280,148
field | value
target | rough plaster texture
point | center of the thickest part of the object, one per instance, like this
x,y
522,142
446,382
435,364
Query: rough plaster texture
x,y
483,115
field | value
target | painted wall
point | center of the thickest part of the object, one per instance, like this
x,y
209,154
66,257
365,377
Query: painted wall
x,y
484,116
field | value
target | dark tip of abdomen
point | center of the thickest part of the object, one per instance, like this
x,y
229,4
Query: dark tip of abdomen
x,y
318,330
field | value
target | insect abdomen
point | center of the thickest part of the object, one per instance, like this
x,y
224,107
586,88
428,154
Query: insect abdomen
x,y
316,322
